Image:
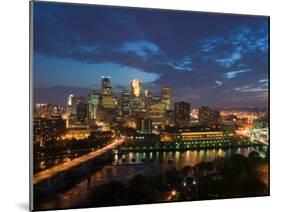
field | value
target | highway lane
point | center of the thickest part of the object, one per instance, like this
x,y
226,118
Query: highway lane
x,y
43,175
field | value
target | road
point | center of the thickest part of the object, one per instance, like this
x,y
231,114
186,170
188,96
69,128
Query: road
x,y
43,175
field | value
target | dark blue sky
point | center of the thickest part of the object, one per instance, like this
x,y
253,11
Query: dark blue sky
x,y
208,59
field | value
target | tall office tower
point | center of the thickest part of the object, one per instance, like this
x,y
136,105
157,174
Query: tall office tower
x,y
147,94
93,101
69,99
166,95
126,103
137,104
208,116
107,100
106,88
182,114
137,101
69,104
147,100
73,101
136,88
156,113
169,118
82,113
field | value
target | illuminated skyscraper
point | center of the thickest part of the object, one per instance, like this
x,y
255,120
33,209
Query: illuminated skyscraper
x,y
105,86
135,88
108,101
69,100
166,95
182,114
72,103
137,101
94,100
147,93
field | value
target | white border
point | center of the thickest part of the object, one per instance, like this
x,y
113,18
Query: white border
x,y
14,103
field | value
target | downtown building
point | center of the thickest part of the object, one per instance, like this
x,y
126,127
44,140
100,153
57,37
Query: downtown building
x,y
137,100
208,117
166,96
201,135
47,129
182,114
77,111
44,110
93,102
108,101
126,103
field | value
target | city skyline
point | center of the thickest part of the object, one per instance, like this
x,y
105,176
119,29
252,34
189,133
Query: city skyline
x,y
222,65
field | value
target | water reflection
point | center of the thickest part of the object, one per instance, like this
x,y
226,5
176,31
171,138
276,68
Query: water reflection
x,y
179,159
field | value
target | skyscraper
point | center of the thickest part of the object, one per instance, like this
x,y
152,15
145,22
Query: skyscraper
x,y
108,101
135,88
125,103
182,114
82,113
94,100
166,95
137,101
156,113
106,86
72,103
147,94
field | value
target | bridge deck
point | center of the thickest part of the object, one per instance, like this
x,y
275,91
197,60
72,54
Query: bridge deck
x,y
43,175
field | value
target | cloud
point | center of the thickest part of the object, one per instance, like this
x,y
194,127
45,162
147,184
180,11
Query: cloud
x,y
229,60
263,81
182,65
233,74
219,83
209,44
229,48
251,88
141,48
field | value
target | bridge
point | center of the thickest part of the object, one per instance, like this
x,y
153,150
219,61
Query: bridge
x,y
49,173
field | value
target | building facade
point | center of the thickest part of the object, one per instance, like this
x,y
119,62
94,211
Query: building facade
x,y
182,114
